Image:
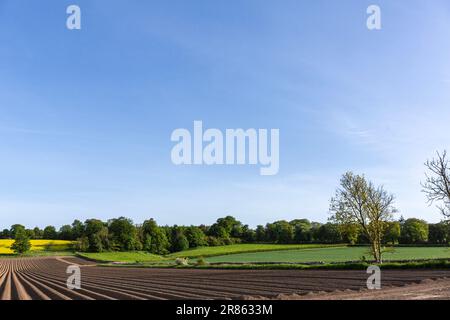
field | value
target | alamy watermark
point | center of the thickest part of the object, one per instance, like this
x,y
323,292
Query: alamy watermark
x,y
374,19
234,147
74,280
73,22
374,280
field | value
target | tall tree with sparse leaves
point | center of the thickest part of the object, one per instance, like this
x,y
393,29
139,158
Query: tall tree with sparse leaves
x,y
359,201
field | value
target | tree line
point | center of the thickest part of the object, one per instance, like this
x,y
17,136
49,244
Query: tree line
x,y
122,234
360,213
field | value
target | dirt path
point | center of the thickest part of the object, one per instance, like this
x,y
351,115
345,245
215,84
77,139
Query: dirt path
x,y
45,278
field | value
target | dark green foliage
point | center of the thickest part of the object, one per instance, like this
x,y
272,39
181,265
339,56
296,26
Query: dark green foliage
x,y
392,233
280,232
66,233
50,233
439,233
196,237
14,229
22,243
97,234
123,235
38,233
414,231
329,233
77,229
82,244
5,234
179,240
302,230
155,238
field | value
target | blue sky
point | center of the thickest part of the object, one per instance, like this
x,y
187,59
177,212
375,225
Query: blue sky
x,y
86,116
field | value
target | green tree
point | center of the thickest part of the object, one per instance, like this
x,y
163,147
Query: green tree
x,y
439,233
38,233
260,235
78,229
302,230
179,240
123,234
5,234
329,233
226,228
97,234
155,238
66,233
22,242
280,232
248,235
30,233
195,237
359,201
14,229
392,233
50,233
414,231
350,232
82,244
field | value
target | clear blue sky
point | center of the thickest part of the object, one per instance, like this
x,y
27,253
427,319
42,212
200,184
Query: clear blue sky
x,y
86,116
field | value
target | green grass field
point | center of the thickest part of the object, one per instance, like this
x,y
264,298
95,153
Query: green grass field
x,y
258,253
128,257
244,248
327,255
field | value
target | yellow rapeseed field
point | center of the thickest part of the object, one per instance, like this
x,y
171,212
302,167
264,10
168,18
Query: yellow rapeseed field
x,y
37,245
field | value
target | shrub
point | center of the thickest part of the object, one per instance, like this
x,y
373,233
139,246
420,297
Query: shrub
x,y
182,261
202,262
82,244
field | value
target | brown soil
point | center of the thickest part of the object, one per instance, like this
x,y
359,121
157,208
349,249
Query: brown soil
x,y
45,278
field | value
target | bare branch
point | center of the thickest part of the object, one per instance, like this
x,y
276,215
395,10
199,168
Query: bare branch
x,y
437,182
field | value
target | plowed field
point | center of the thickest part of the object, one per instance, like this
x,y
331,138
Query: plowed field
x,y
45,278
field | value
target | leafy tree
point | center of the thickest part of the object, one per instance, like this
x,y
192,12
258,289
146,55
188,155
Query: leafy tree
x,y
97,234
38,233
359,201
82,244
123,234
414,231
329,233
66,233
280,232
350,232
30,233
392,233
248,235
260,235
225,228
439,233
77,229
5,234
315,227
218,231
195,237
302,230
14,229
179,240
50,233
155,238
22,242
